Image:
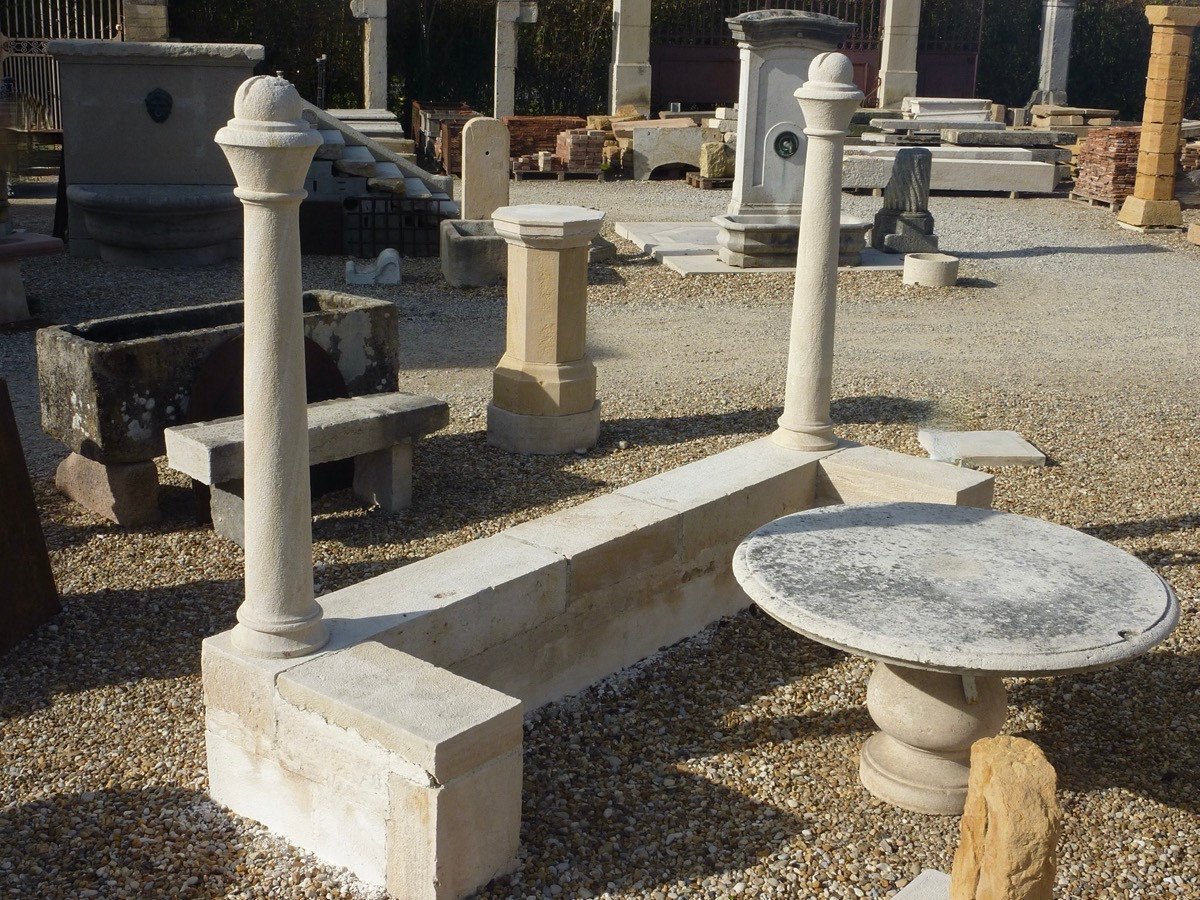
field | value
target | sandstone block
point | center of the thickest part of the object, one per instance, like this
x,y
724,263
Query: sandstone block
x,y
125,493
1168,111
716,160
1155,187
1157,165
1193,234
1166,89
1142,213
1010,827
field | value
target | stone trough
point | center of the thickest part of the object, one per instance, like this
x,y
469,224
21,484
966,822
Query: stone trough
x,y
109,387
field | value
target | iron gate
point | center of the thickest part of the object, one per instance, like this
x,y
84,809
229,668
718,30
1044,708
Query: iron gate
x,y
30,25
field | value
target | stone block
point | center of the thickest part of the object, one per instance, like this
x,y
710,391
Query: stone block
x,y
969,137
356,162
544,389
472,254
485,168
717,160
1141,213
1011,824
125,493
1154,188
444,841
980,448
1193,233
383,270
543,434
1162,111
443,724
332,147
227,509
383,477
865,474
1166,89
240,686
1157,165
1160,134
654,148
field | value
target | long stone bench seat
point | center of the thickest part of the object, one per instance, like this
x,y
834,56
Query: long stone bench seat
x,y
376,430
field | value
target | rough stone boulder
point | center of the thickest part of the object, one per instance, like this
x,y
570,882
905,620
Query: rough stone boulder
x,y
1010,827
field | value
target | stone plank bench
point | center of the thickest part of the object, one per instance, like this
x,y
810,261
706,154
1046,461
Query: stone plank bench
x,y
376,430
14,307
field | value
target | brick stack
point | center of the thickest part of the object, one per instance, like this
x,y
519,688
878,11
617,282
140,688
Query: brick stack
x,y
529,134
448,146
542,161
1190,161
1108,164
580,150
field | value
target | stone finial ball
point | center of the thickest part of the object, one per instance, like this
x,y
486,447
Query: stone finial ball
x,y
831,68
266,98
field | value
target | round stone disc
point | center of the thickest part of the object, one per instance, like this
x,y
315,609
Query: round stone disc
x,y
955,589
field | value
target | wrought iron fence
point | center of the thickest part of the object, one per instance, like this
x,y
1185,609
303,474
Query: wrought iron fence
x,y
30,25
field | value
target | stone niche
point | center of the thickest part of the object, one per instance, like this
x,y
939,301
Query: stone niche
x,y
148,186
109,387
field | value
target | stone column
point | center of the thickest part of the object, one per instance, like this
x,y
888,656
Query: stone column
x,y
898,61
485,168
145,20
1153,204
508,14
544,389
828,100
375,51
269,147
6,140
630,76
1058,21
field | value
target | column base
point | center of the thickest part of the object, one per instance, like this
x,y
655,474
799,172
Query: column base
x,y
816,439
290,641
1047,98
1139,213
543,435
921,760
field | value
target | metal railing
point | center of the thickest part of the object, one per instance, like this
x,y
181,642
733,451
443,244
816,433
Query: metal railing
x,y
30,25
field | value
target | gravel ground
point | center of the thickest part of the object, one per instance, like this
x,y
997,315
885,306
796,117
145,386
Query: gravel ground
x,y
726,765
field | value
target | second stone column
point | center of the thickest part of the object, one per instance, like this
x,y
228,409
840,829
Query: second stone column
x,y
544,389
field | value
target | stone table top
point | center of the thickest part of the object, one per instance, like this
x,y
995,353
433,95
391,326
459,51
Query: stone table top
x,y
955,589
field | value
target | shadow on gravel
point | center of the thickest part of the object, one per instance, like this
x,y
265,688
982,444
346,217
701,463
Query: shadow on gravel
x,y
154,842
880,410
1125,727
606,802
114,637
1101,249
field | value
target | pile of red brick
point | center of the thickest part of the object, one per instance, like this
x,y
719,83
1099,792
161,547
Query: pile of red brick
x,y
580,150
448,146
1108,164
529,134
542,161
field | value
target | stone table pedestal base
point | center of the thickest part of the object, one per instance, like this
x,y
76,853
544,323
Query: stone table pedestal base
x,y
921,758
543,435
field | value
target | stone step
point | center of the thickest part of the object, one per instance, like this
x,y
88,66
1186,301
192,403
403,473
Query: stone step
x,y
356,161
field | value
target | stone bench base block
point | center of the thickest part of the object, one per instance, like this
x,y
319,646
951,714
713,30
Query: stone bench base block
x,y
125,493
14,307
543,435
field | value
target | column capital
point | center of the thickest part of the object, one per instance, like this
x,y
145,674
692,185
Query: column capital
x,y
1173,16
547,227
830,97
268,143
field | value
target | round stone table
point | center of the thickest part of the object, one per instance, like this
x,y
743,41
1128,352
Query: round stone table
x,y
947,600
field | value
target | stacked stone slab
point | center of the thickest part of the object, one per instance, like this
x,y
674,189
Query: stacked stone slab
x,y
530,134
905,225
580,150
1108,164
1153,203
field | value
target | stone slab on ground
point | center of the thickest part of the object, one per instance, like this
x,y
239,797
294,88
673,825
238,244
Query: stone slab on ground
x,y
690,248
932,125
980,448
871,170
974,137
929,885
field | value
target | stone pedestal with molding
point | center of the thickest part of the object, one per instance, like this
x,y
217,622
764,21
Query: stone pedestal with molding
x,y
544,389
375,51
631,79
898,58
1058,22
1153,204
509,14
269,147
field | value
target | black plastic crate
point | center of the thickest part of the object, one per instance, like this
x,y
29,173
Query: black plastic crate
x,y
409,224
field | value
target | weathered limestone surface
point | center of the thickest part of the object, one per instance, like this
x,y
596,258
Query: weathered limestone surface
x,y
508,14
905,225
630,77
1010,826
544,388
145,20
717,160
898,62
980,448
375,74
1058,22
655,147
485,168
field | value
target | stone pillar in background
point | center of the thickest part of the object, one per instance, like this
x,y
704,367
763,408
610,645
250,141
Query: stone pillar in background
x,y
1058,21
898,61
375,51
1010,826
145,20
630,81
1153,204
828,99
544,389
509,13
270,147
7,142
485,168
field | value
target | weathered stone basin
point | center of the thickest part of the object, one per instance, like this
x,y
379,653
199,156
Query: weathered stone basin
x,y
473,255
110,386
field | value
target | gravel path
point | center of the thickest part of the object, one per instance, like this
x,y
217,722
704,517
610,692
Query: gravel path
x,y
726,765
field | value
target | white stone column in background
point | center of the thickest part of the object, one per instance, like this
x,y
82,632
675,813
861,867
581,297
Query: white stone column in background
x,y
270,147
630,76
828,99
1058,21
898,62
375,51
508,14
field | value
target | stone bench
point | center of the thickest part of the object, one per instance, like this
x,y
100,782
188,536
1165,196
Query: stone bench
x,y
376,430
14,307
